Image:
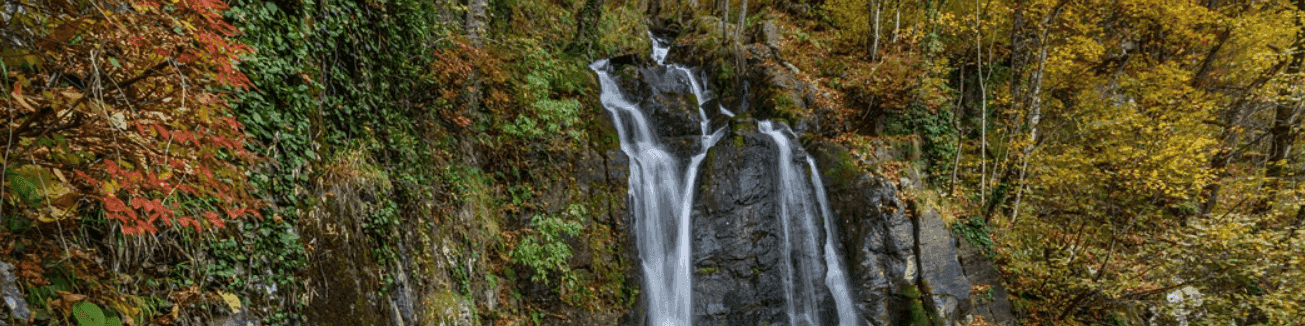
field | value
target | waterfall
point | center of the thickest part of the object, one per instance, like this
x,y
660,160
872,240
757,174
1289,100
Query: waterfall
x,y
660,48
834,273
661,196
798,217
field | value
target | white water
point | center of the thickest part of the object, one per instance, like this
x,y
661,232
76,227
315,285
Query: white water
x,y
834,275
659,49
661,195
798,218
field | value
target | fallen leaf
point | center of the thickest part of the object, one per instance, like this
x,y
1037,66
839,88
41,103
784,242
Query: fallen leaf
x,y
232,301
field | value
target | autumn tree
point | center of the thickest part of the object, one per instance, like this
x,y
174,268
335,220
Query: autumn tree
x,y
1121,106
123,104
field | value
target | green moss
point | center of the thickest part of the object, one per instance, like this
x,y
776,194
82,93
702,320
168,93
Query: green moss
x,y
740,126
845,166
915,308
918,313
441,307
708,270
780,105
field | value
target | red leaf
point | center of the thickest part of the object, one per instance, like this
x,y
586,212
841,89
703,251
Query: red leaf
x,y
187,221
112,167
235,125
183,136
148,227
113,204
236,212
213,218
163,132
87,178
152,179
133,176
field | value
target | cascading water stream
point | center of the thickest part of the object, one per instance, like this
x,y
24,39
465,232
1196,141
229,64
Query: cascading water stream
x,y
800,233
661,198
835,276
661,195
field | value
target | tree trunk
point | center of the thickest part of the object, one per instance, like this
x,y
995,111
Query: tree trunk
x,y
476,21
743,19
1285,117
725,19
1283,134
874,25
983,107
1034,100
587,21
654,8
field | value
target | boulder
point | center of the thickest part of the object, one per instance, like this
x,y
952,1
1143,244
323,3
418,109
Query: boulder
x,y
940,270
13,298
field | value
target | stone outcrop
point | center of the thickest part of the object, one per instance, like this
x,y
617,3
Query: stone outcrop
x,y
905,266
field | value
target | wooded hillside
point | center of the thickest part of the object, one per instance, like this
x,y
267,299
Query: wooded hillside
x,y
181,161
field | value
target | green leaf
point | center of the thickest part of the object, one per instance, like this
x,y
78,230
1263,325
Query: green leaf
x,y
89,314
114,62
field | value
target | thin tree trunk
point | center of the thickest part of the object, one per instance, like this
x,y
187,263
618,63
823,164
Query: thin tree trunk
x,y
476,21
983,107
724,21
743,19
1231,131
874,25
1285,116
1283,134
956,124
475,29
587,21
897,19
1035,104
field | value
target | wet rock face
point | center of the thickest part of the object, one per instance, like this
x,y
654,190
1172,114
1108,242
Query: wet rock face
x,y
993,303
940,268
898,263
664,94
737,240
880,242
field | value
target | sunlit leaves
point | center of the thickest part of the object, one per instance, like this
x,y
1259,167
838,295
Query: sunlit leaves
x,y
1134,96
